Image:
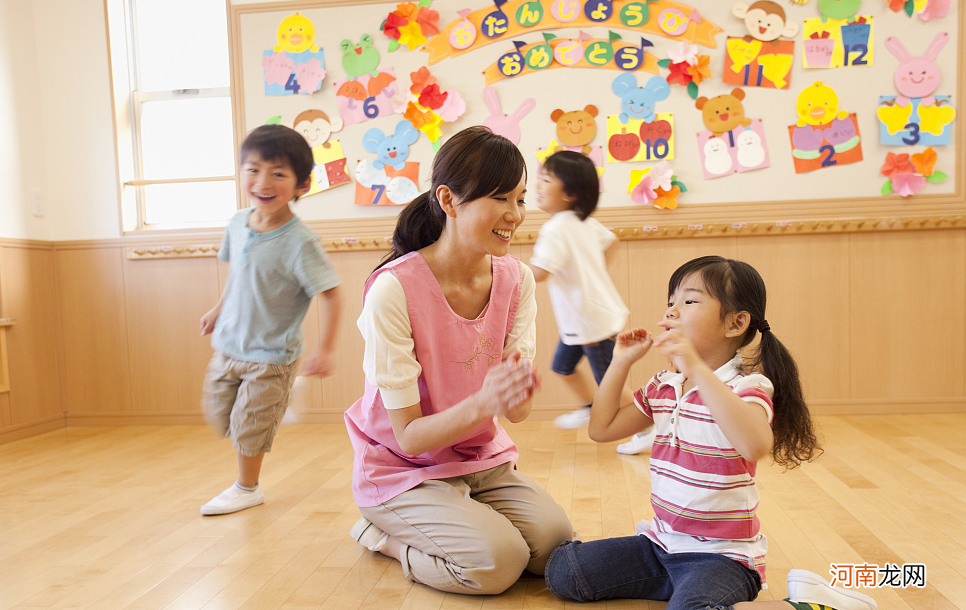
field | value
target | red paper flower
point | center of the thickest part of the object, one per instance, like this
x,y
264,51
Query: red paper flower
x,y
896,5
428,21
421,79
679,73
392,25
431,97
896,164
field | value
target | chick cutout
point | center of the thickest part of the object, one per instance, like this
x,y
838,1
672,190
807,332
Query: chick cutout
x,y
824,135
296,65
296,33
818,105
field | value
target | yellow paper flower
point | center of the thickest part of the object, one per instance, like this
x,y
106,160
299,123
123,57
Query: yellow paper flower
x,y
411,35
700,70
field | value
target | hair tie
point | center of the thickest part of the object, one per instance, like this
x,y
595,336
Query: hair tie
x,y
763,326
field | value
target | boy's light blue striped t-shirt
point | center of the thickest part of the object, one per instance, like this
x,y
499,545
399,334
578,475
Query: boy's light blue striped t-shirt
x,y
271,281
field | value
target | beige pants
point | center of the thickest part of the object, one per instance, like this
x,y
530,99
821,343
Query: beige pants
x,y
474,534
245,401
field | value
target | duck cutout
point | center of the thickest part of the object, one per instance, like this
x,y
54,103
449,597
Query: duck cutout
x,y
296,65
764,56
824,135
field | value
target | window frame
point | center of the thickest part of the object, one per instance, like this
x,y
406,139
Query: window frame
x,y
126,103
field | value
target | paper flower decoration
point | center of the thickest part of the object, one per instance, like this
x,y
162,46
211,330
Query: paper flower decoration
x,y
667,200
643,193
700,70
895,164
935,9
656,186
686,67
683,53
909,174
662,175
430,106
926,9
453,108
410,25
421,78
431,97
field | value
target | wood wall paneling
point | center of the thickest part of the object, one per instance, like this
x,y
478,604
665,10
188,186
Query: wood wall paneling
x,y
808,296
906,298
164,302
347,384
95,333
30,296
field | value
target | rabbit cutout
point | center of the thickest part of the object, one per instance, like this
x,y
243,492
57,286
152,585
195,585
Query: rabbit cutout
x,y
917,77
506,125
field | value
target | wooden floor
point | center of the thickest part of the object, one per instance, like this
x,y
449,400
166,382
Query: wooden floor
x,y
108,517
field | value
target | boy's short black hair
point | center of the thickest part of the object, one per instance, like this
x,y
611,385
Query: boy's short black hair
x,y
280,143
579,179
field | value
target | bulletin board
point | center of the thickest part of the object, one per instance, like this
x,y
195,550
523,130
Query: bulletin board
x,y
774,193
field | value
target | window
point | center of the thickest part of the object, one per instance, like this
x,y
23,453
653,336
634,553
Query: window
x,y
172,110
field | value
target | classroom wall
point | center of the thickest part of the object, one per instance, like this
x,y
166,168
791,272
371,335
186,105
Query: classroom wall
x,y
875,320
21,150
55,103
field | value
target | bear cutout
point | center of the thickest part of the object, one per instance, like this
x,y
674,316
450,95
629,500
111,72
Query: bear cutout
x,y
723,113
575,128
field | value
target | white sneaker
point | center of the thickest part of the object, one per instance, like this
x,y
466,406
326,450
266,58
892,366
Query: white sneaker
x,y
233,500
809,588
639,443
574,419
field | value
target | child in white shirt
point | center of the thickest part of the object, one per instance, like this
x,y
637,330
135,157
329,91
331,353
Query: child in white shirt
x,y
570,254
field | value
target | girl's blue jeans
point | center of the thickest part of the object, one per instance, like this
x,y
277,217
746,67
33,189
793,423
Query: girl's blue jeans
x,y
633,567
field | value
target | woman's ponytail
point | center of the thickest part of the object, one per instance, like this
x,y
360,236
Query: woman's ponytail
x,y
419,225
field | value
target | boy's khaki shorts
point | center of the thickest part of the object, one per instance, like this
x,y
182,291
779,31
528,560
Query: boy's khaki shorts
x,y
245,401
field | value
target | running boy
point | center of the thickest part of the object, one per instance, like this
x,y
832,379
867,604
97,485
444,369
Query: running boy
x,y
277,266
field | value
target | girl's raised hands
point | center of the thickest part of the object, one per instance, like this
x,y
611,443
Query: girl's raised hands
x,y
676,347
633,344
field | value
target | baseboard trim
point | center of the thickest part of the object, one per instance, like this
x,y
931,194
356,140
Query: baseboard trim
x,y
884,406
134,419
19,431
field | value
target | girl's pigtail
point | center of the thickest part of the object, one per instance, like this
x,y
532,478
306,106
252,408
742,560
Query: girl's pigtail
x,y
419,225
795,439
